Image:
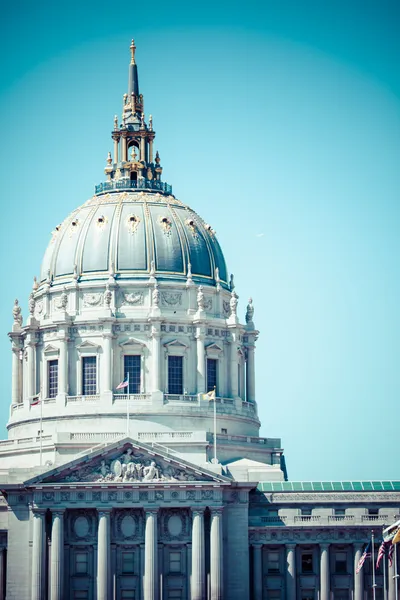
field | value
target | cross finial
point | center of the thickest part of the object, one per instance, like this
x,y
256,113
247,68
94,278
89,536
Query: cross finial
x,y
133,48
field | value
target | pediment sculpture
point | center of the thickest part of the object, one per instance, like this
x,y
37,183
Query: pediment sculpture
x,y
129,467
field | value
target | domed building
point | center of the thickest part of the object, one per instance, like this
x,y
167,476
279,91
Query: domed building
x,y
133,466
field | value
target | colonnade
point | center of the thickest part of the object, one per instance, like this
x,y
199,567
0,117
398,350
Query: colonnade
x,y
324,591
151,590
229,387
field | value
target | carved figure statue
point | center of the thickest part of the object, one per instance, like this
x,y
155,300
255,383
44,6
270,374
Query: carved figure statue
x,y
35,284
115,122
151,122
104,468
107,296
249,311
233,302
200,298
152,269
63,299
156,295
150,472
142,121
217,278
31,303
231,283
17,313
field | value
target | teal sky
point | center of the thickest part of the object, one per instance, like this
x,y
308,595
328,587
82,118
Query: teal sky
x,y
277,121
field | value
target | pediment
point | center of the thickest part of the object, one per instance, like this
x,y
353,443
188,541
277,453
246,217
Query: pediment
x,y
87,346
127,461
132,342
214,348
49,349
176,344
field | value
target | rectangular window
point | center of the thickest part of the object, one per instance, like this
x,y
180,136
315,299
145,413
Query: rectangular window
x,y
81,595
306,512
341,594
175,562
273,562
89,375
307,562
212,383
174,594
128,562
274,595
175,374
340,512
52,378
132,368
340,562
307,595
81,563
224,431
127,594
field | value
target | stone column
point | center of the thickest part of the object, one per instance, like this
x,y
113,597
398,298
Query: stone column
x,y
38,556
156,359
251,376
358,577
216,555
15,394
124,149
290,572
234,368
257,572
142,149
201,362
107,337
198,558
2,574
325,586
57,556
115,150
150,151
63,368
391,579
150,557
30,369
103,555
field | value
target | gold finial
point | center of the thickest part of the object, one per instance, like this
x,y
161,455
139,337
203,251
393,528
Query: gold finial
x,y
133,48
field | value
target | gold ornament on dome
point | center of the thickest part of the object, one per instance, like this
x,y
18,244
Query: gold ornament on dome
x,y
192,226
101,222
132,222
165,223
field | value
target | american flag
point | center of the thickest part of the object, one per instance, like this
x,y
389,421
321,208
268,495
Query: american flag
x,y
390,553
366,554
383,549
124,383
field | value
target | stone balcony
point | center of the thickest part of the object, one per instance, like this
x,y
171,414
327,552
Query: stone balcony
x,y
354,520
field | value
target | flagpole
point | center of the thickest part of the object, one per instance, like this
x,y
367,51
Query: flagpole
x,y
215,425
41,419
127,409
384,577
373,567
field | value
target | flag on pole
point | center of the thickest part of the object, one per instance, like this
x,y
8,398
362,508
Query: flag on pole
x,y
390,554
209,395
383,550
396,538
124,383
35,400
366,554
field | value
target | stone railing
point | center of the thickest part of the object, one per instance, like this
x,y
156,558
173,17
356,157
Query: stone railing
x,y
89,437
374,518
132,397
307,518
24,441
340,518
319,520
165,436
243,439
91,398
180,398
141,184
273,519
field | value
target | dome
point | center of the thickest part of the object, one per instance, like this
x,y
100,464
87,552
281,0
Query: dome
x,y
134,234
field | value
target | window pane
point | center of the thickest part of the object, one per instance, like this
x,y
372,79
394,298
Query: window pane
x,y
81,562
306,563
81,595
127,594
341,562
132,367
211,374
175,562
88,375
128,562
273,562
52,378
174,594
175,375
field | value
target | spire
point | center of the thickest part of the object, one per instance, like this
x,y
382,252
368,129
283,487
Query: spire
x,y
133,85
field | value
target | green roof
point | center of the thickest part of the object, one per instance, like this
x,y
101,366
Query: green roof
x,y
328,486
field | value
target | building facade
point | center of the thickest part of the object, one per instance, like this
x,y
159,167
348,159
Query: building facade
x,y
134,468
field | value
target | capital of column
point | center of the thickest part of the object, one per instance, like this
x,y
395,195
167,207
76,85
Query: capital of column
x,y
58,512
198,510
324,545
290,546
216,510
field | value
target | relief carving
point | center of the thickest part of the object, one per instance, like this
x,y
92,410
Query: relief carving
x,y
92,299
134,298
171,298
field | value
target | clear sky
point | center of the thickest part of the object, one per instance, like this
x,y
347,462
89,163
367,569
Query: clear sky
x,y
279,122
